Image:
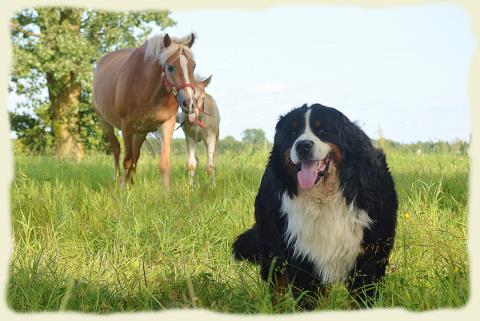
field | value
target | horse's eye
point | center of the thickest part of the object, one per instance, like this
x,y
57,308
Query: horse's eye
x,y
170,68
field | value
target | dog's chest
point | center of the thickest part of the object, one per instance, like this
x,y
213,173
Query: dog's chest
x,y
326,231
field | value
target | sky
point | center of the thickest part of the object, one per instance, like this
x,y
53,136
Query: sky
x,y
404,69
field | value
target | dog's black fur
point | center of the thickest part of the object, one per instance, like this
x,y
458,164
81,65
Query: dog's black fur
x,y
364,179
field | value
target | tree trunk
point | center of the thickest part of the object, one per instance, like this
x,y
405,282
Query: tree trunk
x,y
64,96
64,107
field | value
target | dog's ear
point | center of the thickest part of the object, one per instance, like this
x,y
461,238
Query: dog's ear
x,y
362,164
166,41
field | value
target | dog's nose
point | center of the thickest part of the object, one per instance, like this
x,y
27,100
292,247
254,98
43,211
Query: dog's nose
x,y
304,147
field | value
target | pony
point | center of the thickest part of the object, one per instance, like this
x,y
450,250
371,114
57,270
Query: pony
x,y
138,90
205,128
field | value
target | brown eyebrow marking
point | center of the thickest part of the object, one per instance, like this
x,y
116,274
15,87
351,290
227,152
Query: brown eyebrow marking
x,y
316,124
295,124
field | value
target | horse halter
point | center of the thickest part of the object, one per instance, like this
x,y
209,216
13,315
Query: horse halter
x,y
171,87
174,91
198,121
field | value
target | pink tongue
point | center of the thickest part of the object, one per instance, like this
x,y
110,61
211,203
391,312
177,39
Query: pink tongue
x,y
307,175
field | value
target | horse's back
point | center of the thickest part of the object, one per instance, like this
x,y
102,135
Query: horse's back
x,y
113,59
104,83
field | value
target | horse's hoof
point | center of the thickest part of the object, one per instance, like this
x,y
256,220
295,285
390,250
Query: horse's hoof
x,y
166,188
126,182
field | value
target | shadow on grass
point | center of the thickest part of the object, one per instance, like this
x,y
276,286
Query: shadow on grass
x,y
25,294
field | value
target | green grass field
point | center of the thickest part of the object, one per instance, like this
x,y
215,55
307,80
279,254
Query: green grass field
x,y
82,243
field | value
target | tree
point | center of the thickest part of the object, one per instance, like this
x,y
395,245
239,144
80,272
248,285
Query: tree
x,y
54,51
229,143
254,136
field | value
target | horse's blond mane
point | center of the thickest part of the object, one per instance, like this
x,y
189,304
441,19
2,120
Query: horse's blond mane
x,y
155,49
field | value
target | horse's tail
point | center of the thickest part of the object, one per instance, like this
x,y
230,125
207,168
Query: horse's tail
x,y
245,246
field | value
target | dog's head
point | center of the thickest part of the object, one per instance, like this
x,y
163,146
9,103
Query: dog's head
x,y
311,142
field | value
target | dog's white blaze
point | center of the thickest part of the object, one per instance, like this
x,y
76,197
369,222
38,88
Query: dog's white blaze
x,y
328,234
321,149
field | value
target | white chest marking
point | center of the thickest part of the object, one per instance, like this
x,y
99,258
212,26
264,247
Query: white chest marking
x,y
328,233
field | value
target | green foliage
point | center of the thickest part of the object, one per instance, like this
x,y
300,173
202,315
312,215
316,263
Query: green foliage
x,y
228,144
54,51
32,132
460,147
254,136
82,243
89,131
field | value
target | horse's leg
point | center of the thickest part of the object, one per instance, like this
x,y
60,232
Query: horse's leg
x,y
167,133
138,140
192,161
128,163
210,143
109,132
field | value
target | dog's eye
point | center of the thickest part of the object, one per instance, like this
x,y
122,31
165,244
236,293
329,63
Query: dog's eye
x,y
294,128
170,68
321,130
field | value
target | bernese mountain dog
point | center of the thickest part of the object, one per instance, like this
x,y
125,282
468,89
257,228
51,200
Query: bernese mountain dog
x,y
326,208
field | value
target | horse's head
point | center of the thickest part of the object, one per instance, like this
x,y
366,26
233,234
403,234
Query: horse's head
x,y
177,71
200,85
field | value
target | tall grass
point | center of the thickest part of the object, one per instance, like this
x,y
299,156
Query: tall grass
x,y
82,243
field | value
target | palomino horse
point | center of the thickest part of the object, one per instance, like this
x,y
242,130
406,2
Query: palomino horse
x,y
139,90
205,128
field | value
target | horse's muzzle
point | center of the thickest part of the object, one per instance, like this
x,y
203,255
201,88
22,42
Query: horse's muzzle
x,y
187,102
192,117
192,114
